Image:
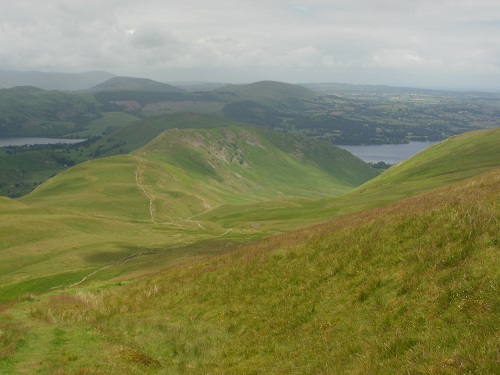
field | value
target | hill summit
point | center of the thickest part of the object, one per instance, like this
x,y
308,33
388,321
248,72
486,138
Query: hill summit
x,y
135,84
184,172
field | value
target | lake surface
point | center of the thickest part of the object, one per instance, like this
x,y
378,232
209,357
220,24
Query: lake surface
x,y
36,141
387,153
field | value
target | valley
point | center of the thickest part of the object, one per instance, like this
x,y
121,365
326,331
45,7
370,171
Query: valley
x,y
121,236
340,114
229,239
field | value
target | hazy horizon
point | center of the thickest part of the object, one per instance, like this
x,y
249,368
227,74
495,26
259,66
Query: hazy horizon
x,y
452,45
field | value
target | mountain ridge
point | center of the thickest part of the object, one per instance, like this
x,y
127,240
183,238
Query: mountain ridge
x,y
215,165
135,84
53,80
143,263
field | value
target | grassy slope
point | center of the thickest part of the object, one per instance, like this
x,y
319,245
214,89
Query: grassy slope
x,y
409,287
186,172
271,288
96,206
21,171
108,122
453,159
141,132
103,211
457,158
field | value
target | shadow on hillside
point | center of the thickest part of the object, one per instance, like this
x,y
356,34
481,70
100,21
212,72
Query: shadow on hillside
x,y
129,261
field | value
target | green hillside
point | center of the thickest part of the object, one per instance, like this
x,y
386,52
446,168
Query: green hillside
x,y
139,133
22,171
408,287
162,260
185,172
133,214
267,103
23,168
275,94
33,112
455,159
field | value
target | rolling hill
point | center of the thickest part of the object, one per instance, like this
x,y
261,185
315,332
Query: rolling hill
x,y
185,172
53,80
405,278
33,112
266,103
200,184
99,210
459,157
272,93
409,286
135,84
450,161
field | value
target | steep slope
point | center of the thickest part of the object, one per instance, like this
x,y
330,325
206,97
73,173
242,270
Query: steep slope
x,y
139,133
453,159
129,215
182,173
410,287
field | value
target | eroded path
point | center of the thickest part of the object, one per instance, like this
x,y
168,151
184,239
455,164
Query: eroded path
x,y
138,182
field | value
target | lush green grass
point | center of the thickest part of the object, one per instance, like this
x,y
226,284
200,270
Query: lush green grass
x,y
457,158
44,248
144,205
407,286
410,287
100,212
22,170
186,172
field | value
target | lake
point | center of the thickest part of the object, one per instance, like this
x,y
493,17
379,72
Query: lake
x,y
389,153
36,141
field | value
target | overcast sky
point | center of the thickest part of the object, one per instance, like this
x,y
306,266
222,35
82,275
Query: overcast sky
x,y
419,43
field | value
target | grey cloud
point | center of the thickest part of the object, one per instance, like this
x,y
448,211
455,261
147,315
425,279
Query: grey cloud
x,y
362,41
146,37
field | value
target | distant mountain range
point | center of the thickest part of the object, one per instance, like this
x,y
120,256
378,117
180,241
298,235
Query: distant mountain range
x,y
53,81
135,84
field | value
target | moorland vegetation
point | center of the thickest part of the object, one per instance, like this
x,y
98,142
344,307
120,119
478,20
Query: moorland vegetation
x,y
195,254
225,240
